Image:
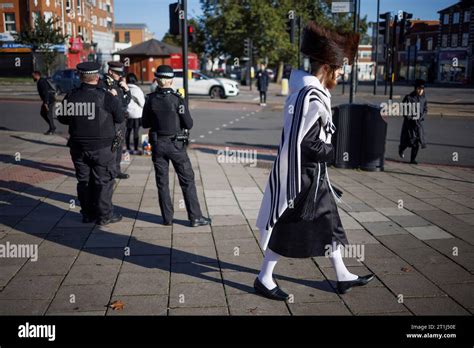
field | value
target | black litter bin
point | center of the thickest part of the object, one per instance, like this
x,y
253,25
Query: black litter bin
x,y
374,130
359,141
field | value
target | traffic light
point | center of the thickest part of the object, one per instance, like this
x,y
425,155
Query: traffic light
x,y
247,47
384,27
191,34
290,29
175,28
405,25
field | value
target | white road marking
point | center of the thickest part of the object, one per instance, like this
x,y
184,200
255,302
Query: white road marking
x,y
201,136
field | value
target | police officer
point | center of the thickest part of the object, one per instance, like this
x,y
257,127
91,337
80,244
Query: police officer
x,y
90,112
114,80
165,112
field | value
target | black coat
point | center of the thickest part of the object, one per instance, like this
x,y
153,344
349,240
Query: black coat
x,y
262,80
412,129
295,237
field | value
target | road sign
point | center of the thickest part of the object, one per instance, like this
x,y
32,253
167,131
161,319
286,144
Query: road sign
x,y
341,6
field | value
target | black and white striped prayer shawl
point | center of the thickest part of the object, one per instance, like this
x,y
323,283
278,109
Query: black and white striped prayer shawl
x,y
303,109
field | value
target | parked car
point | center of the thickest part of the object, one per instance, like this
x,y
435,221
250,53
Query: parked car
x,y
201,84
66,80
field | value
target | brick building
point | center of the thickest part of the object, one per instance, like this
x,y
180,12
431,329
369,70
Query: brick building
x,y
133,33
88,25
417,55
456,40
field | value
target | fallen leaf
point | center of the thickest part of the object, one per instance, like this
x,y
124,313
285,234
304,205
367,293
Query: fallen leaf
x,y
117,305
406,269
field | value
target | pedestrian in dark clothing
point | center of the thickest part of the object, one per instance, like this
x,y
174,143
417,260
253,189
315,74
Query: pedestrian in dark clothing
x,y
47,94
262,84
115,80
413,134
167,116
92,133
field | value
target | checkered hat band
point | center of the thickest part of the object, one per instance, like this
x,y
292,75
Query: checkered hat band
x,y
88,72
165,74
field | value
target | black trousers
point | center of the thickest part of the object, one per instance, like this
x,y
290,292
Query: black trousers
x,y
118,153
95,173
165,150
263,96
414,150
133,125
47,115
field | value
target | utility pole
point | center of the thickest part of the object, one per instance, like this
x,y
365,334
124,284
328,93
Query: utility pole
x,y
184,33
376,47
250,61
354,65
394,44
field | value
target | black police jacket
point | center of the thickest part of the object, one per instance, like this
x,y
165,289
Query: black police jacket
x,y
166,113
90,112
123,96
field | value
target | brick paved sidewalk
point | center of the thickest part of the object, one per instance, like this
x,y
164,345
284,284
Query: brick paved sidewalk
x,y
416,223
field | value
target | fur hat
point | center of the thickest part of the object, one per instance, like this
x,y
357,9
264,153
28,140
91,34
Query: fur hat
x,y
329,46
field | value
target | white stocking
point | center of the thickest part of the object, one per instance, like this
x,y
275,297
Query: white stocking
x,y
266,273
342,273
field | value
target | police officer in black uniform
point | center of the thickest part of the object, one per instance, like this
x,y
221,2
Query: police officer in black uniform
x,y
90,112
114,80
166,113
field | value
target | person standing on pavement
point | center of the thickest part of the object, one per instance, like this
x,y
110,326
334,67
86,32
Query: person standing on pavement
x,y
298,217
167,116
114,80
413,134
262,84
92,137
134,112
47,93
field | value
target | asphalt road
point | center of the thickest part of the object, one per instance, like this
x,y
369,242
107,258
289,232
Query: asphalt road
x,y
242,122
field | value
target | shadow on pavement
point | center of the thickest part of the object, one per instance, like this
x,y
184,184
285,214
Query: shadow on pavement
x,y
111,245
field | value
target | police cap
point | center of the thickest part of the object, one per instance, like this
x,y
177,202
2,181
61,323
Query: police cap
x,y
116,67
88,68
164,72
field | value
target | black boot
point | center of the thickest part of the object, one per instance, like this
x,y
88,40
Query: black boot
x,y
414,152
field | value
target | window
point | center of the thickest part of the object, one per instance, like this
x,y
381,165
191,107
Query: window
x,y
454,40
127,36
79,7
117,36
444,40
467,16
9,20
446,18
456,18
429,44
465,39
69,28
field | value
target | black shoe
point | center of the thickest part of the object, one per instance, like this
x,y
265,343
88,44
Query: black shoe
x,y
343,287
202,221
413,162
88,219
167,223
274,294
400,153
122,176
113,219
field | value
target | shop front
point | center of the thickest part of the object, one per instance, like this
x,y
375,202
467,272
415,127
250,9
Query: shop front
x,y
453,67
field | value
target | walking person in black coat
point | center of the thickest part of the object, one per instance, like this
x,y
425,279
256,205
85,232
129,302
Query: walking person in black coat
x,y
262,84
298,216
47,95
413,134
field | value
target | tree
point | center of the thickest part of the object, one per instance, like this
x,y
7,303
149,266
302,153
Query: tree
x,y
226,25
42,38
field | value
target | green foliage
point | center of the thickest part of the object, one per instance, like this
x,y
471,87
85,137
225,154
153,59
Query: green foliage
x,y
44,35
227,23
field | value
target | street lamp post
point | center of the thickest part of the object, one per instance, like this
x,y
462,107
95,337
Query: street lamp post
x,y
184,33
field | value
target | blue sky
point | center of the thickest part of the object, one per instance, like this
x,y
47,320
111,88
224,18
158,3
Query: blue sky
x,y
154,13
